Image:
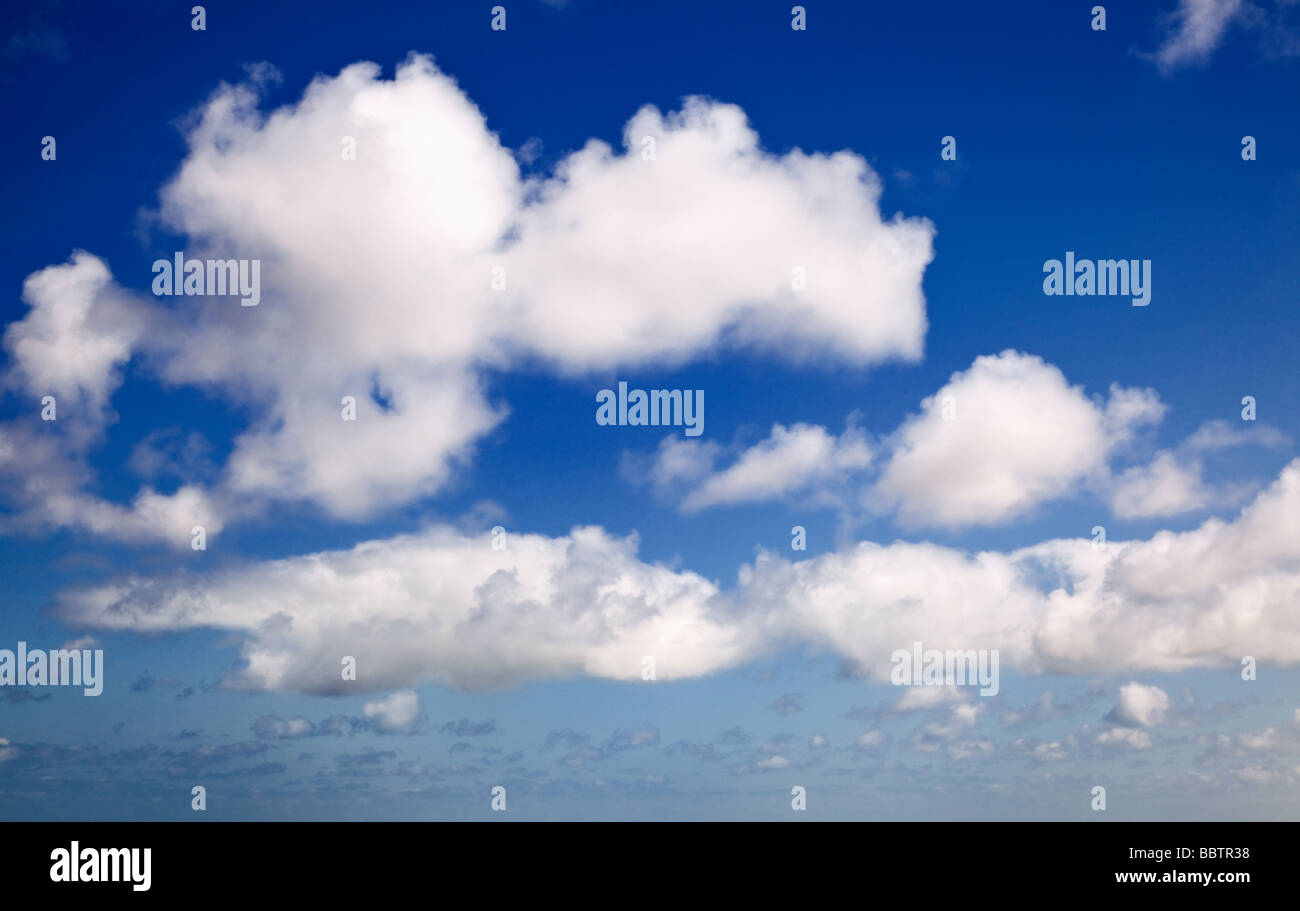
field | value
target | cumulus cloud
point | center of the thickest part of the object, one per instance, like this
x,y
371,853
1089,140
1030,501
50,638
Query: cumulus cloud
x,y
77,334
1173,481
396,713
1140,706
1165,486
384,285
997,440
71,346
441,606
1178,600
789,460
1001,437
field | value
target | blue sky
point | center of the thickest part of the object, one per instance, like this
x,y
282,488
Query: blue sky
x,y
1120,667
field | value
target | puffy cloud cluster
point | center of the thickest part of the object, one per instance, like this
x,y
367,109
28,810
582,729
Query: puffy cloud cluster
x,y
1002,436
429,257
998,439
66,358
443,606
995,441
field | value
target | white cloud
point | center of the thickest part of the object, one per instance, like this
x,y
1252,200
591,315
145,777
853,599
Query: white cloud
x,y
677,463
1125,737
1195,30
71,345
1215,436
1019,434
78,332
384,283
1203,597
7,752
998,439
1166,486
1173,481
442,606
788,461
1140,706
396,713
446,607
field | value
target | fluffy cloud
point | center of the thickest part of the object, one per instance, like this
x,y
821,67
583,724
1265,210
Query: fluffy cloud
x,y
790,460
78,333
620,259
1165,486
1001,437
1140,706
998,439
1173,481
383,286
442,606
1196,598
445,607
396,713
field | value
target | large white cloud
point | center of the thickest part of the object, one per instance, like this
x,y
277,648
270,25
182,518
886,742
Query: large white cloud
x,y
1001,437
377,274
442,606
625,258
445,607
